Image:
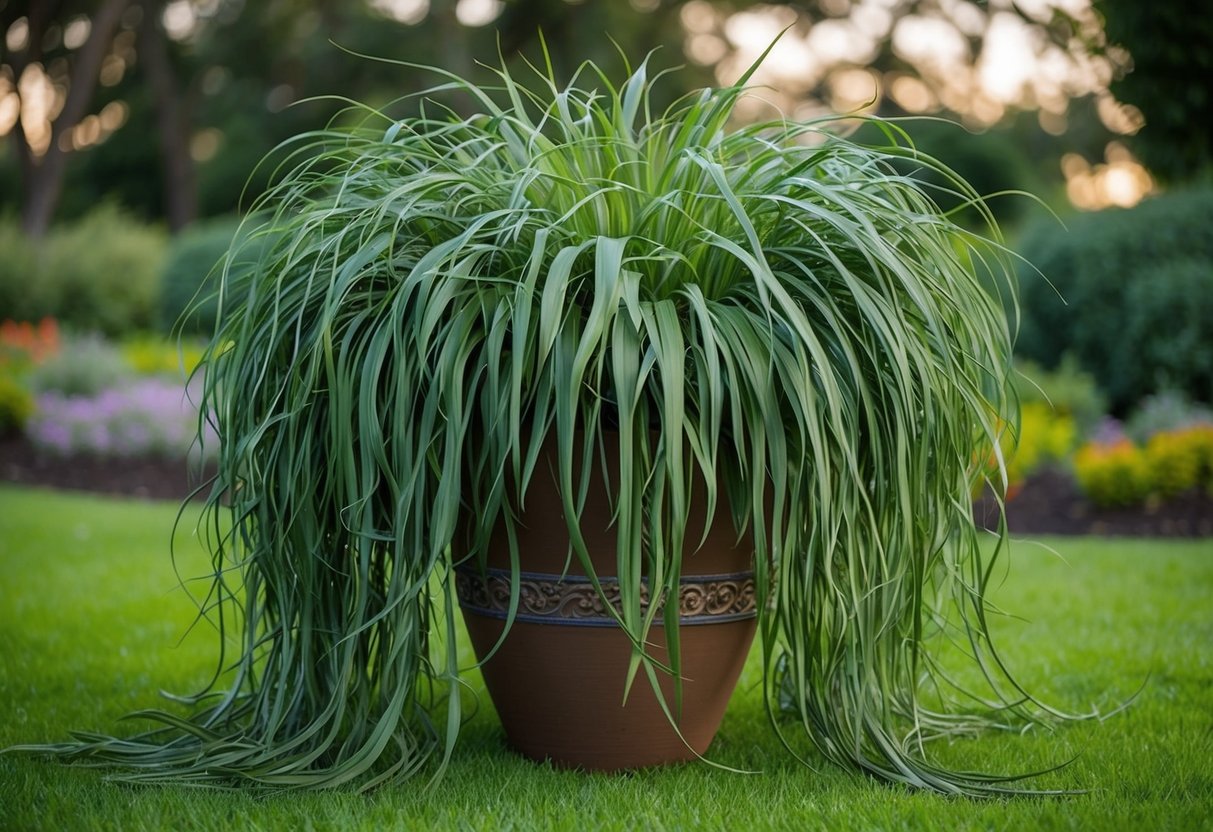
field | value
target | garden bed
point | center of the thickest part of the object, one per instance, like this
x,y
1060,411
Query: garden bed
x,y
148,477
1047,503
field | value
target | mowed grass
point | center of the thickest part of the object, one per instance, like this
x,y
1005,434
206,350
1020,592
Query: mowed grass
x,y
92,625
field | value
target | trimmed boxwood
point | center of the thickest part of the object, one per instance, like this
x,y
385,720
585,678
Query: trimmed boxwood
x,y
1138,296
188,299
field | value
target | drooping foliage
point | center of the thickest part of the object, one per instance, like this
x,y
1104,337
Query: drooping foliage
x,y
436,296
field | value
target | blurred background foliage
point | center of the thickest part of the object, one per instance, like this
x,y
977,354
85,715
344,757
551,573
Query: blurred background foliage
x,y
1128,293
131,132
1170,53
165,106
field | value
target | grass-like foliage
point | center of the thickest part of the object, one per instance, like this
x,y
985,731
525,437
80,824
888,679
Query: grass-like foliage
x,y
772,307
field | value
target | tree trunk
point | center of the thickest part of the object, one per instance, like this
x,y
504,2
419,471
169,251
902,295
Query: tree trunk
x,y
453,40
43,178
172,121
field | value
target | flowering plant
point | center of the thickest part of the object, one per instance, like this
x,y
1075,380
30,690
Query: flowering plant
x,y
1119,472
23,343
149,416
23,346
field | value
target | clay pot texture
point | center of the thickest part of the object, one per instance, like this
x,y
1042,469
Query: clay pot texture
x,y
558,678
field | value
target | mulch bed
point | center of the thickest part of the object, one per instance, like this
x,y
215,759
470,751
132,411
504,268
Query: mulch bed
x,y
150,477
1047,503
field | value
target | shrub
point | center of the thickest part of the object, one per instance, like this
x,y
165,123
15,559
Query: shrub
x,y
16,404
1170,325
1200,444
188,303
187,280
1067,391
1056,408
1045,435
105,272
1138,289
83,366
152,355
1115,474
100,274
1166,411
19,285
1180,460
1173,468
1121,473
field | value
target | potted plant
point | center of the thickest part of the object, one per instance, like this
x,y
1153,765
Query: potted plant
x,y
765,344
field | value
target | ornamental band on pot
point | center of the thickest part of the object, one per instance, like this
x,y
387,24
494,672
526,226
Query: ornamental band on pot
x,y
772,319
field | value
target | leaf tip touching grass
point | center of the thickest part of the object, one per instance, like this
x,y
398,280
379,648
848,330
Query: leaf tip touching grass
x,y
434,296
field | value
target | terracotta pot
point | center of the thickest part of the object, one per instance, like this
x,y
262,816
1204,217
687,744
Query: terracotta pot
x,y
558,678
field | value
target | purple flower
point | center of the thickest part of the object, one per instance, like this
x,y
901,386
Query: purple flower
x,y
146,416
1109,431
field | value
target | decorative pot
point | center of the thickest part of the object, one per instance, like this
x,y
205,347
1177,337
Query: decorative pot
x,y
557,680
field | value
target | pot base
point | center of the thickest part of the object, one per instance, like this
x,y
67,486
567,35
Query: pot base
x,y
559,691
558,677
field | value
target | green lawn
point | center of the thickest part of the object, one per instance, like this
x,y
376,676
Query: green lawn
x,y
91,625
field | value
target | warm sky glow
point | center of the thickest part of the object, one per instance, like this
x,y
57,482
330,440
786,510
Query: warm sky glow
x,y
1017,68
827,58
403,11
478,12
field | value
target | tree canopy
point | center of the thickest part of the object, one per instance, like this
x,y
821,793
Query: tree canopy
x,y
166,106
1166,56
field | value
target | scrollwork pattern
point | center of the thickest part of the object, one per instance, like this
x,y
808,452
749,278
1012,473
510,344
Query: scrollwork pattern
x,y
702,598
